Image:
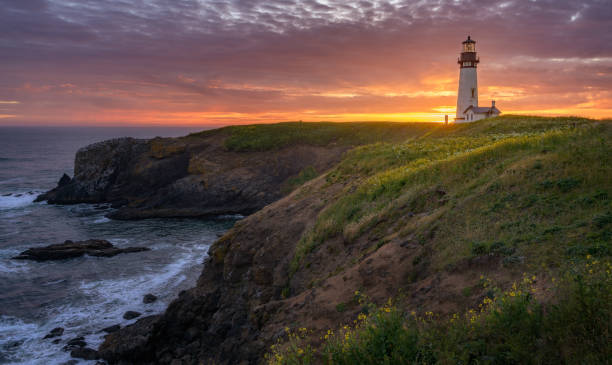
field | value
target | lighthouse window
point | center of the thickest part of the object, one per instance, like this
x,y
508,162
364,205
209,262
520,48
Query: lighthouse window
x,y
473,92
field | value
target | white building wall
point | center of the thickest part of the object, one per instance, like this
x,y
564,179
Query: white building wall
x,y
478,117
467,83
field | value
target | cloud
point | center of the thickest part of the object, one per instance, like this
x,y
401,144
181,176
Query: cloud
x,y
289,56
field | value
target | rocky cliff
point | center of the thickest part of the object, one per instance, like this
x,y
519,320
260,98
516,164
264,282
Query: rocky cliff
x,y
191,176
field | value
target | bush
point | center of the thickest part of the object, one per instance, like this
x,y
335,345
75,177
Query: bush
x,y
509,327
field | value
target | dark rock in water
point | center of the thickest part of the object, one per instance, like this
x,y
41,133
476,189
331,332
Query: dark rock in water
x,y
70,362
9,194
12,344
85,353
149,298
58,331
65,180
111,329
18,195
76,340
129,343
131,315
56,341
71,249
118,203
75,343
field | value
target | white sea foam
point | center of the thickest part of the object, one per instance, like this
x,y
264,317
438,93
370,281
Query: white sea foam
x,y
231,216
112,298
107,301
16,200
101,220
8,266
19,340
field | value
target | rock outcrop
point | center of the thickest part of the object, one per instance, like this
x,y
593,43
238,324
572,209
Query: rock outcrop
x,y
185,177
128,344
69,249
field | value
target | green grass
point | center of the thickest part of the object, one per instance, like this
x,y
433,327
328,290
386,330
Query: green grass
x,y
508,327
540,186
307,174
264,137
533,191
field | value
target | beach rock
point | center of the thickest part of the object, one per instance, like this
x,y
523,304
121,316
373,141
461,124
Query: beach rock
x,y
149,298
131,315
129,343
56,332
75,343
65,180
85,353
70,249
76,340
112,328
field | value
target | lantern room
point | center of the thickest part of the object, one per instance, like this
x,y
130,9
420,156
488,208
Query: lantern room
x,y
469,45
468,56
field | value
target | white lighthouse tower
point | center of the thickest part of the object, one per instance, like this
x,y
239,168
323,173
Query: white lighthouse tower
x,y
467,96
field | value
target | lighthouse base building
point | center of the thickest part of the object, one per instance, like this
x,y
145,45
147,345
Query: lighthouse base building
x,y
467,96
473,113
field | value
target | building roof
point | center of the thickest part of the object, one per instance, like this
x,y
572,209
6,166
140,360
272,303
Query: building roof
x,y
469,40
482,109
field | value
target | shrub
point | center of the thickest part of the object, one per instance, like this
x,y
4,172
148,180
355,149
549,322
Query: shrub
x,y
508,327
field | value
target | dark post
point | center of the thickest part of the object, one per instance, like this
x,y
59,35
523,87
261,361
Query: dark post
x,y
446,119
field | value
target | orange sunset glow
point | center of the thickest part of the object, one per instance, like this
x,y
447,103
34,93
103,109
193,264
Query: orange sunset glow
x,y
200,62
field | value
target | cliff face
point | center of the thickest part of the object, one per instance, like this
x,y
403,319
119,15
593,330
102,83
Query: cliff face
x,y
420,221
190,176
238,305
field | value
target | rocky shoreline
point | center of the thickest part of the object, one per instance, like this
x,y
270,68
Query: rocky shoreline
x,y
78,347
182,177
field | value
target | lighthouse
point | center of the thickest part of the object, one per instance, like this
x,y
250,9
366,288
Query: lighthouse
x,y
467,96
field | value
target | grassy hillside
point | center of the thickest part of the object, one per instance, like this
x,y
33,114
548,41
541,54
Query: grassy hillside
x,y
265,137
527,196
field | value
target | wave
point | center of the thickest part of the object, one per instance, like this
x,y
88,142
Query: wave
x,y
101,220
105,303
8,266
19,340
230,216
17,200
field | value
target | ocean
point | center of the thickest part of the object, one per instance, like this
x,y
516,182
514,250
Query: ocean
x,y
81,295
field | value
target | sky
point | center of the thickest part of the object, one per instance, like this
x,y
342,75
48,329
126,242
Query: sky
x,y
199,62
